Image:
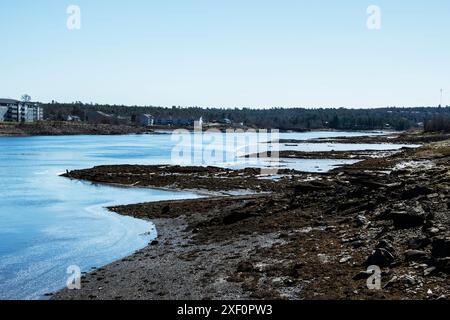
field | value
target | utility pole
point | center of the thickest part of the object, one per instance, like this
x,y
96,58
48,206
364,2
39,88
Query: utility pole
x,y
442,94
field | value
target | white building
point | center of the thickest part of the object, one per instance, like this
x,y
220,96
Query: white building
x,y
3,112
17,111
145,120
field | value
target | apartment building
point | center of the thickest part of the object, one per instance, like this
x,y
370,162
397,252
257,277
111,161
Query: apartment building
x,y
17,111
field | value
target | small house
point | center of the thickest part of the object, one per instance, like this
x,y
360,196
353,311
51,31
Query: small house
x,y
145,120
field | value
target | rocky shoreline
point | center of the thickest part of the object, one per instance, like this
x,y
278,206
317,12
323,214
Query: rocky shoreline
x,y
47,128
302,236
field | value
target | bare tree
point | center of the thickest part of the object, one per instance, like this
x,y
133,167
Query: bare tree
x,y
26,98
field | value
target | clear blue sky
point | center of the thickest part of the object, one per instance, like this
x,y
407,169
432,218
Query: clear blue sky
x,y
227,53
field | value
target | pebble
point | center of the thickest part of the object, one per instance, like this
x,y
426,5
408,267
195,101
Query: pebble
x,y
429,271
434,230
323,258
361,221
393,280
409,280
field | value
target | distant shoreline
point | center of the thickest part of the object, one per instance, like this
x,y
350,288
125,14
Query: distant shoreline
x,y
66,128
59,128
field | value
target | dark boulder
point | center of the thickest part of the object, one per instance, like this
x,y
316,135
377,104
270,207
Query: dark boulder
x,y
418,243
408,219
245,266
295,270
380,257
443,264
386,244
416,255
305,188
441,248
415,192
235,217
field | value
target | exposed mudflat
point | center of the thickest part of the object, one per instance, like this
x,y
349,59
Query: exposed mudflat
x,y
187,178
339,155
307,236
392,138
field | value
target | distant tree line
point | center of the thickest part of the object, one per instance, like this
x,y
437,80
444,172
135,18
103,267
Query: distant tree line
x,y
292,118
439,123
